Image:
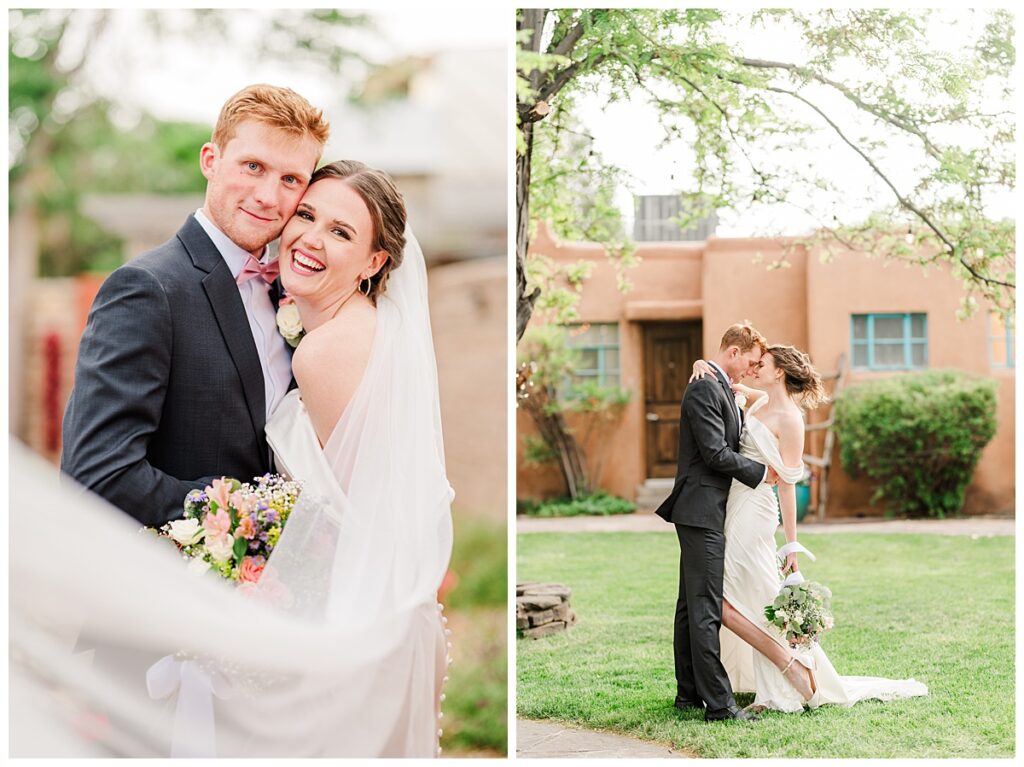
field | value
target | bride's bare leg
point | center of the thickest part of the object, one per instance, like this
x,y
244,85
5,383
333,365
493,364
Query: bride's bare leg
x,y
738,624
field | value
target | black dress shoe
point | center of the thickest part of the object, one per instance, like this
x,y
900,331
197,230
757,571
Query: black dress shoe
x,y
733,712
688,705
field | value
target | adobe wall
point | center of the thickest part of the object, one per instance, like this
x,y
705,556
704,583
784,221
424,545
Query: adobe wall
x,y
855,284
807,304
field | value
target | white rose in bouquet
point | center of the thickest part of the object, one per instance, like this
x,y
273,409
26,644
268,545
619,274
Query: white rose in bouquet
x,y
185,531
220,547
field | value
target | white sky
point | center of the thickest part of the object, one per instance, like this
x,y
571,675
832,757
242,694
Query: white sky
x,y
173,80
628,134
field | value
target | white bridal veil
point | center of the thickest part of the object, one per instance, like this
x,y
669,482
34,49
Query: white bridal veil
x,y
116,649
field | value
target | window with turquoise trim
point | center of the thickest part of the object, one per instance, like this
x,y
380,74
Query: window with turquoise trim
x,y
1000,341
889,341
598,347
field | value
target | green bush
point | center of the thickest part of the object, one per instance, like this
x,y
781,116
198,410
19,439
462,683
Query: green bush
x,y
919,436
600,504
480,562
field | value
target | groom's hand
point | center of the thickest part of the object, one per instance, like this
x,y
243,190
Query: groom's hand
x,y
772,477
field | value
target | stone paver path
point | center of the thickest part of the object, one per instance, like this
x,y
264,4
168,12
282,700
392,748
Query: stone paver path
x,y
558,741
646,523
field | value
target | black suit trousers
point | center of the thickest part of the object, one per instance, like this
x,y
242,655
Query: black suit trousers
x,y
700,675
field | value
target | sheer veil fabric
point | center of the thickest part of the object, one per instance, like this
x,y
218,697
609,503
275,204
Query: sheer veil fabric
x,y
340,651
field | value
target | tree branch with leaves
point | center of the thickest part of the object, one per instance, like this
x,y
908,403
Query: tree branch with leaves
x,y
894,89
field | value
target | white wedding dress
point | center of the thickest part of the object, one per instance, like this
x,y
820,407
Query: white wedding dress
x,y
341,651
751,582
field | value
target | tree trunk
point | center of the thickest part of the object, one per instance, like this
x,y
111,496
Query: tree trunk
x,y
556,433
532,19
524,301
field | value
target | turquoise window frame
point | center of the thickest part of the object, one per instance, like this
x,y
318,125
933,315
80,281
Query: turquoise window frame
x,y
1008,338
908,341
603,371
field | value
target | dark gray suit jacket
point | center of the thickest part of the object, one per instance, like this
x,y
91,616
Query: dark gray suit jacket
x,y
168,391
709,438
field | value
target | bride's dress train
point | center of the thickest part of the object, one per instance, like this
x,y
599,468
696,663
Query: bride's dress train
x,y
752,581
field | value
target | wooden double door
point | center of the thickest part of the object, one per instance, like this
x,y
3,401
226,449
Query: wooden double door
x,y
670,349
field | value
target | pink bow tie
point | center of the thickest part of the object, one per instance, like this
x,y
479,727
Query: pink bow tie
x,y
253,268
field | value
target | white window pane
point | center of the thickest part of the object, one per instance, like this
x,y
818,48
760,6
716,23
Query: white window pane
x,y
889,355
860,328
919,355
581,335
588,359
860,356
611,359
888,327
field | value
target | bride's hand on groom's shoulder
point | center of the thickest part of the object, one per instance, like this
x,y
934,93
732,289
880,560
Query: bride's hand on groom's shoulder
x,y
700,369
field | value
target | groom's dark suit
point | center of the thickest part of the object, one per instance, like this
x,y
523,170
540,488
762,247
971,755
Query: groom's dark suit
x,y
168,391
709,435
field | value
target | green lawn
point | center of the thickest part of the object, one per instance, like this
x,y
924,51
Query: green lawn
x,y
936,608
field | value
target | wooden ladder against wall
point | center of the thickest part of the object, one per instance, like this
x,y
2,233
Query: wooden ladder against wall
x,y
821,464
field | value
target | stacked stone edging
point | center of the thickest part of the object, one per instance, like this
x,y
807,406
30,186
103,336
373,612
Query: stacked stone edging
x,y
542,609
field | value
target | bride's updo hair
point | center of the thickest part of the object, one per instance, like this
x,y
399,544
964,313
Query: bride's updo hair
x,y
387,212
801,379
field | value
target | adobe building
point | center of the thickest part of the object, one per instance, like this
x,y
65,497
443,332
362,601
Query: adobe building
x,y
884,317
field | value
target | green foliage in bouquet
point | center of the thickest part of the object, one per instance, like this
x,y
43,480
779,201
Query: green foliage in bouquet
x,y
801,612
918,436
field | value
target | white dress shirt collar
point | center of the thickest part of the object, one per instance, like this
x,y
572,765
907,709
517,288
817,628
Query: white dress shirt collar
x,y
719,367
233,255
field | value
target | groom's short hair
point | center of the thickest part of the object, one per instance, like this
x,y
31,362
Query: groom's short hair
x,y
745,336
271,105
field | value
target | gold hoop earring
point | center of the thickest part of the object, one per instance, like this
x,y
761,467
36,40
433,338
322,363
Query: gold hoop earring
x,y
369,286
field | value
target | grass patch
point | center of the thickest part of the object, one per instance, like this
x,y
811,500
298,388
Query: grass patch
x,y
476,704
936,608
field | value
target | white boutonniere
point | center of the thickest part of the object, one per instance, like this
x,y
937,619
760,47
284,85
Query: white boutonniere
x,y
741,401
289,323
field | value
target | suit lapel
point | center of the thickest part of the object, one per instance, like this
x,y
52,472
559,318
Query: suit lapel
x,y
730,403
226,303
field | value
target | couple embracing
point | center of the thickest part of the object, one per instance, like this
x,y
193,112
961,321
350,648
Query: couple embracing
x,y
735,443
186,372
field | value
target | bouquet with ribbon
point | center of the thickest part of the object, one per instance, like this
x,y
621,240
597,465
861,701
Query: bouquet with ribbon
x,y
802,611
231,527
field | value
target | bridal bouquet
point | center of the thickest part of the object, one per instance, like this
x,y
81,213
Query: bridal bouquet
x,y
801,612
232,526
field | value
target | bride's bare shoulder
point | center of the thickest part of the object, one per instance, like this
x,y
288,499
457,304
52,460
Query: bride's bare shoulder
x,y
790,424
329,363
344,340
